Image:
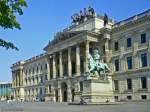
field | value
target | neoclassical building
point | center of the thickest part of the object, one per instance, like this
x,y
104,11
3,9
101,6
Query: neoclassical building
x,y
59,74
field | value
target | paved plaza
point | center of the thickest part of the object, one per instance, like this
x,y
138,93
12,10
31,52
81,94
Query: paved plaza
x,y
64,107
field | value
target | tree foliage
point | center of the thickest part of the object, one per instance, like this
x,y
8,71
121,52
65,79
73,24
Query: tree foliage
x,y
8,9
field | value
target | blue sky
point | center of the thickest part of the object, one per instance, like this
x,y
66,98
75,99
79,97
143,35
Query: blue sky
x,y
43,18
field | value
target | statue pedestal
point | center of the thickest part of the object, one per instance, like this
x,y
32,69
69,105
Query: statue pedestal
x,y
96,90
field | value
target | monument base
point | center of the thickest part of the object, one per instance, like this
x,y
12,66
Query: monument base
x,y
96,90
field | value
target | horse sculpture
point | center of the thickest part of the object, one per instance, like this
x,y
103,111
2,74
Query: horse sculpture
x,y
95,65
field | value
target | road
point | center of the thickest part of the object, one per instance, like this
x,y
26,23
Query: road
x,y
64,107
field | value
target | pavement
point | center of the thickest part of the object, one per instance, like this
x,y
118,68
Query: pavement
x,y
64,107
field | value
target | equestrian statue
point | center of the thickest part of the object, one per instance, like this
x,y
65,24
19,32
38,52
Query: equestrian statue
x,y
96,67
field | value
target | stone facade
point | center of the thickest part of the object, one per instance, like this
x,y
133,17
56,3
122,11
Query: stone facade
x,y
60,73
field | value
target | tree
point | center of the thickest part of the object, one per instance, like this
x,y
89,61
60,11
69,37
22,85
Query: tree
x,y
8,9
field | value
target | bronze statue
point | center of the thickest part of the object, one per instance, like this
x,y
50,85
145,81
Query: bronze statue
x,y
105,19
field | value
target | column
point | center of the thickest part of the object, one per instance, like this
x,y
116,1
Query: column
x,y
60,65
86,56
69,63
48,67
54,66
77,60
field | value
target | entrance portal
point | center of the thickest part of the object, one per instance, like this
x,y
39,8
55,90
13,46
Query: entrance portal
x,y
64,92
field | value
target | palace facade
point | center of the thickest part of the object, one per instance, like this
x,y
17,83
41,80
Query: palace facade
x,y
60,72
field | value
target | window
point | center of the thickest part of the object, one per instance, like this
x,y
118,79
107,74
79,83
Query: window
x,y
116,98
33,70
129,42
45,66
37,69
144,59
143,38
41,67
117,65
116,85
143,82
129,97
41,78
41,91
129,84
116,46
143,97
129,62
81,86
50,88
45,77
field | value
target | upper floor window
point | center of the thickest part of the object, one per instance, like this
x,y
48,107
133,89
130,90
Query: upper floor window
x,y
46,77
37,69
129,42
33,70
45,66
117,65
41,67
129,62
143,38
116,46
144,59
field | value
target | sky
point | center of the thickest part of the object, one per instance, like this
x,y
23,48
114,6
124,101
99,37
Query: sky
x,y
43,18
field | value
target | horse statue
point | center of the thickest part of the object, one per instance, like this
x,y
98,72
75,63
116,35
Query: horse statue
x,y
95,64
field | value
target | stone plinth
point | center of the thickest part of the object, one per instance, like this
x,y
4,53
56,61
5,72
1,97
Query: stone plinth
x,y
96,90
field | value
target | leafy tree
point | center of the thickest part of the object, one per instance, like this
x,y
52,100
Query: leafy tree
x,y
8,9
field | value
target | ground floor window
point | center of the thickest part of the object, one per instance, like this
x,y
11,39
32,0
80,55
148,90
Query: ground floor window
x,y
81,86
129,97
143,97
143,82
116,85
116,98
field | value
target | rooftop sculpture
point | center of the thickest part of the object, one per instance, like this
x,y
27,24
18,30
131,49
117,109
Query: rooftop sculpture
x,y
82,16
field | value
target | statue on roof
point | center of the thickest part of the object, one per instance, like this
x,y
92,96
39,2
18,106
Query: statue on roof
x,y
87,13
105,19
